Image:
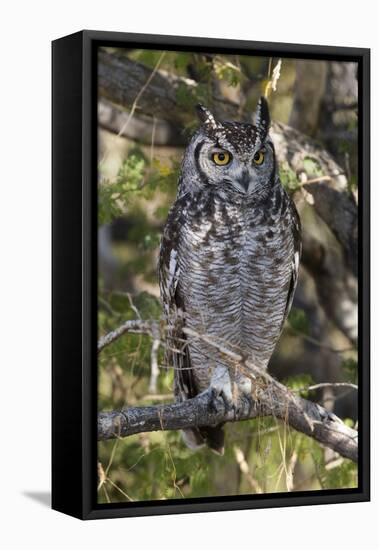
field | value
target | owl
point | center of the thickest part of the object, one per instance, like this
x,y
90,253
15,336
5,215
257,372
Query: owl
x,y
228,263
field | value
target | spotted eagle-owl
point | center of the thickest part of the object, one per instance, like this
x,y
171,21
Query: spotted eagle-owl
x,y
228,261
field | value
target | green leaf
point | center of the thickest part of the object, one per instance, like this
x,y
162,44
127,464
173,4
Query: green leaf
x,y
350,368
288,177
298,320
299,382
225,70
312,167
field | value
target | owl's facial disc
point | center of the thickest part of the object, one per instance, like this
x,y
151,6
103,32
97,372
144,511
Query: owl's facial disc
x,y
231,157
245,170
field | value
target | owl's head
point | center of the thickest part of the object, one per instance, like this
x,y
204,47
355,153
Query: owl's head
x,y
235,157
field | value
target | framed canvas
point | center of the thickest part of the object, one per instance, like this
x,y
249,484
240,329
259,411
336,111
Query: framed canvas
x,y
210,275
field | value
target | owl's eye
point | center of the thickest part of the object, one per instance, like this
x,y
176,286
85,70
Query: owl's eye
x,y
259,157
222,158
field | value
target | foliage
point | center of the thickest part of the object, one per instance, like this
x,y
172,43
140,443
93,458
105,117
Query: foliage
x,y
227,71
298,321
136,178
288,177
113,195
312,167
299,383
350,367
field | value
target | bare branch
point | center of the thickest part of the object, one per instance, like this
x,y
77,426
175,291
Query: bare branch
x,y
331,385
134,326
204,410
336,286
138,128
154,360
271,398
245,470
339,212
121,79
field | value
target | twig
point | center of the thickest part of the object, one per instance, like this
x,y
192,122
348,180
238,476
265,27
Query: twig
x,y
133,306
247,367
135,102
331,385
156,397
154,360
104,479
134,326
318,179
291,469
245,470
272,83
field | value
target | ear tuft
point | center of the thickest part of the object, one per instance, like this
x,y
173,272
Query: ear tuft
x,y
262,117
205,116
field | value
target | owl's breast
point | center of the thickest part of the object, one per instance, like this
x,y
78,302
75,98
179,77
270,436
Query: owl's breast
x,y
235,264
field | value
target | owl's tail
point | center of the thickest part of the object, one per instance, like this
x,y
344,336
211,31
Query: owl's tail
x,y
213,437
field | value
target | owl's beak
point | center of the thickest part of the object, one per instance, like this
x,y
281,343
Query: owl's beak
x,y
244,180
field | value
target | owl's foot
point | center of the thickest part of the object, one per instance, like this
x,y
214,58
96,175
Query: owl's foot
x,y
236,396
243,407
244,385
243,401
221,386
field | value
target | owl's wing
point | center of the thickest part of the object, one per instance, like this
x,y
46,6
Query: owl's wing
x,y
177,352
296,233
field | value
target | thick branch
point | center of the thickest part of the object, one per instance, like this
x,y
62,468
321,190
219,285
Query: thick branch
x,y
336,286
121,79
204,410
271,398
341,219
140,127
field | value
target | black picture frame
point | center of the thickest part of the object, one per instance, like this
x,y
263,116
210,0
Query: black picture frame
x,y
74,273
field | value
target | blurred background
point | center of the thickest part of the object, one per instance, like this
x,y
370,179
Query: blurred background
x,y
145,117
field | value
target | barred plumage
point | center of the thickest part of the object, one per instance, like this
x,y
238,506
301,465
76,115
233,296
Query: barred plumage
x,y
229,258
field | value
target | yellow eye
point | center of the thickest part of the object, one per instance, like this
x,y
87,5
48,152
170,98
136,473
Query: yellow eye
x,y
222,158
259,157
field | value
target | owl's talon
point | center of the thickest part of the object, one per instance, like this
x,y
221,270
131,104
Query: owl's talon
x,y
221,386
214,399
244,397
328,416
244,406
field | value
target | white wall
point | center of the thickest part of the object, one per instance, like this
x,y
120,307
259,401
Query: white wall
x,y
26,31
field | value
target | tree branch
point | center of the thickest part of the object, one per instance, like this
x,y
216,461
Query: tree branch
x,y
135,327
270,398
204,410
341,219
139,128
121,79
336,286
